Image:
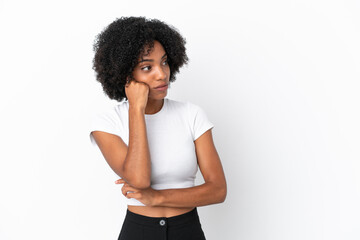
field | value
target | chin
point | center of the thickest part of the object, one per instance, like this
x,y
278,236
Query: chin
x,y
159,96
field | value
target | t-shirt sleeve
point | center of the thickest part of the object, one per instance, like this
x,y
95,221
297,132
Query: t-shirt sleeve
x,y
200,121
105,121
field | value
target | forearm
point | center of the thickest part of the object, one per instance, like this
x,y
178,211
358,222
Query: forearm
x,y
137,165
202,195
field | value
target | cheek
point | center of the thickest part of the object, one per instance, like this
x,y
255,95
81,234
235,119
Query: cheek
x,y
142,77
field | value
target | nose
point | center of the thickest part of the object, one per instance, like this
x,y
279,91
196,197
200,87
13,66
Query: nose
x,y
160,74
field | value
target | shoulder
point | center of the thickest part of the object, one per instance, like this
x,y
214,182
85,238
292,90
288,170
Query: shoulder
x,y
176,106
110,119
194,109
184,105
192,106
121,107
110,112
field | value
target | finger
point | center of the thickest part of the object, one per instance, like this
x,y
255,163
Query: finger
x,y
126,193
120,181
129,188
132,195
123,190
126,188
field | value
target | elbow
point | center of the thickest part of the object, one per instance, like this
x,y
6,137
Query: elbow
x,y
219,191
222,194
136,180
140,184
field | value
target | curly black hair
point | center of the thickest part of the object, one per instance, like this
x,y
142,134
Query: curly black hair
x,y
119,46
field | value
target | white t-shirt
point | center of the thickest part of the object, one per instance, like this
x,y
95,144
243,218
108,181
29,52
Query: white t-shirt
x,y
171,133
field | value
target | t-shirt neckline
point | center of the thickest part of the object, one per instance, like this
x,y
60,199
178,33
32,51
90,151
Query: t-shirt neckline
x,y
159,112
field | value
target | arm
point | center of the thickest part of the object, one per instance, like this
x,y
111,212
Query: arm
x,y
214,189
137,165
202,195
132,163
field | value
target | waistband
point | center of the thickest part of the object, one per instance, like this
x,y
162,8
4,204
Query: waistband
x,y
163,221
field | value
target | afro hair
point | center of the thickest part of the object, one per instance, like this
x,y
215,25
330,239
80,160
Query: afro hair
x,y
119,46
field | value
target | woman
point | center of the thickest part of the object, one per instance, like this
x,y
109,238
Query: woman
x,y
153,143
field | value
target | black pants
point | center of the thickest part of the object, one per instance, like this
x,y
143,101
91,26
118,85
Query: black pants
x,y
185,226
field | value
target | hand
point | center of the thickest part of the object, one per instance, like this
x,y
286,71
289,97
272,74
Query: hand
x,y
137,93
147,196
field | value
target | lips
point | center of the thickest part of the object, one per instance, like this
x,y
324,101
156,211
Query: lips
x,y
163,85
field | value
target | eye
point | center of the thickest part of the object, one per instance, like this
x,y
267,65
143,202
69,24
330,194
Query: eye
x,y
149,67
146,67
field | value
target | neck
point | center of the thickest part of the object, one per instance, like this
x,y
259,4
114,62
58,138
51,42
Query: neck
x,y
153,106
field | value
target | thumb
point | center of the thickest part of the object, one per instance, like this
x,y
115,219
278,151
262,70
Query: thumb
x,y
131,194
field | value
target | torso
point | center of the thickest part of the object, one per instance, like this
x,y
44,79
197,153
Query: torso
x,y
159,211
188,156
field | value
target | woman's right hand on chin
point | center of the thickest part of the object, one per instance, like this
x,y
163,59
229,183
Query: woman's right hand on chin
x,y
137,94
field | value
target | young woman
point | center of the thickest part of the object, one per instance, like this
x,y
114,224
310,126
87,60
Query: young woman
x,y
155,144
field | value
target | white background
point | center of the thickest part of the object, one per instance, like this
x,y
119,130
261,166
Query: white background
x,y
279,79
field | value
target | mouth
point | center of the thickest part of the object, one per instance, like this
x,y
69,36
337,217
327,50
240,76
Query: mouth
x,y
162,87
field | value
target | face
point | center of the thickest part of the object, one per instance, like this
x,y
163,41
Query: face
x,y
154,70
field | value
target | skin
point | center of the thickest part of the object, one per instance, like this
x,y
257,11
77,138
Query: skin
x,y
142,95
151,72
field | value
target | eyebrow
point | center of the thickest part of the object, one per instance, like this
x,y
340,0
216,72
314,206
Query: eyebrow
x,y
150,60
